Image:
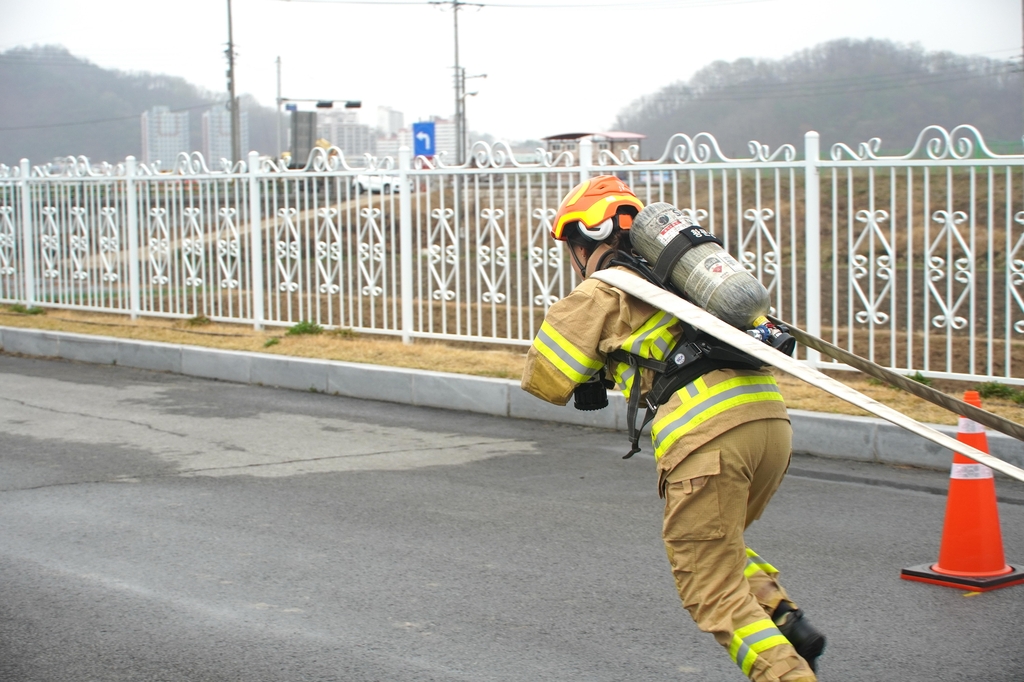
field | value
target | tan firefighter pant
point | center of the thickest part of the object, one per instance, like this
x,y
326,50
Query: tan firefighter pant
x,y
710,498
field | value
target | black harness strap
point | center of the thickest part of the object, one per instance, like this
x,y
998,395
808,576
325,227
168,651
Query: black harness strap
x,y
693,356
694,353
635,440
633,406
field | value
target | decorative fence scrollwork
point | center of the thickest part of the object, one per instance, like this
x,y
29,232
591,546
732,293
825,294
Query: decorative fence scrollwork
x,y
760,260
913,258
545,258
371,253
443,255
8,242
228,249
949,241
328,251
159,247
50,242
192,247
1015,268
110,244
492,256
286,251
872,272
79,244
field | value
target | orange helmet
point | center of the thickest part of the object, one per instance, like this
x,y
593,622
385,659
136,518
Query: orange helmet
x,y
594,203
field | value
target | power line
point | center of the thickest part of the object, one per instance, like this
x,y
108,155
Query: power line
x,y
19,61
772,92
884,78
100,120
652,4
638,4
768,92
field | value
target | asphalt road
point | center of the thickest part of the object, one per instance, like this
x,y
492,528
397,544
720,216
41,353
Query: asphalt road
x,y
157,527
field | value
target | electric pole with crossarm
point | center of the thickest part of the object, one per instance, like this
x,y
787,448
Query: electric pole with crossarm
x,y
460,85
236,131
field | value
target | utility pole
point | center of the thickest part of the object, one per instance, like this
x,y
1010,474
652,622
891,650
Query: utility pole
x,y
459,80
460,146
279,106
236,142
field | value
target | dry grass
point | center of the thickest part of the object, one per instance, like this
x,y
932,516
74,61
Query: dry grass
x,y
329,345
442,357
805,397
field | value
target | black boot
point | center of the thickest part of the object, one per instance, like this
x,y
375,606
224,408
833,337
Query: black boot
x,y
807,641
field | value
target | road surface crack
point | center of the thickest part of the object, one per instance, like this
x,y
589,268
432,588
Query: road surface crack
x,y
181,472
93,416
462,446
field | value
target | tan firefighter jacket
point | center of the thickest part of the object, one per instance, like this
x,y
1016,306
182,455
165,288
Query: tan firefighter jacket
x,y
596,319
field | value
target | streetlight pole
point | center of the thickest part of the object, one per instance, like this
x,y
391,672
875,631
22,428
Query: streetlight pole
x,y
279,150
465,123
236,142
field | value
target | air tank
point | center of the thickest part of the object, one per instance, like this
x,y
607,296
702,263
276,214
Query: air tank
x,y
706,273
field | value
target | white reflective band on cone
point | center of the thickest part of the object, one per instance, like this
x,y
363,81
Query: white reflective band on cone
x,y
968,471
970,426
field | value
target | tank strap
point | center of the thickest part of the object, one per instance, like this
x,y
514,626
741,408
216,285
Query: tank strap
x,y
633,406
694,353
668,379
683,241
693,356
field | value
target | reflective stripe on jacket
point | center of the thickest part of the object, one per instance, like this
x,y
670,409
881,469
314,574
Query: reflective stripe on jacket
x,y
570,360
576,336
653,340
595,319
699,402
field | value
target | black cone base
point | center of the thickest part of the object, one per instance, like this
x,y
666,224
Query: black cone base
x,y
924,573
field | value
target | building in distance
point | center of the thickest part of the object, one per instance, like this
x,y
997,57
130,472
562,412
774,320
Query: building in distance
x,y
389,121
217,134
444,140
343,130
164,136
613,141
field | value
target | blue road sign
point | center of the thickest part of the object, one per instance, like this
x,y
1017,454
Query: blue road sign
x,y
291,107
423,139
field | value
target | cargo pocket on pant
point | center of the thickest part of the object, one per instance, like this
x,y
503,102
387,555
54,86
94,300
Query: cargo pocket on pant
x,y
692,510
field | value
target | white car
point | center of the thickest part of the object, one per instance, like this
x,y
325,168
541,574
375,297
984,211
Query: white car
x,y
377,183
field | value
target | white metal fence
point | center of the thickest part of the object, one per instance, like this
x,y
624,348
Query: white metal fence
x,y
915,260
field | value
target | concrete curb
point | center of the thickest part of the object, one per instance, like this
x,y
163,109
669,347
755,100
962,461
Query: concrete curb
x,y
825,435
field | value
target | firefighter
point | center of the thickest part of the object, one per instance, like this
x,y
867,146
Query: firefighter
x,y
722,441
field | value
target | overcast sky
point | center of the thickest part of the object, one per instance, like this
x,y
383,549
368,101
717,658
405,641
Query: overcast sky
x,y
560,66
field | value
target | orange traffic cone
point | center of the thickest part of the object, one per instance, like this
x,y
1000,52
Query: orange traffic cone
x,y
971,554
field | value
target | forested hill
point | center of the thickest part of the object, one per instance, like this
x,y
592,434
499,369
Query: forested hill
x,y
847,90
55,104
